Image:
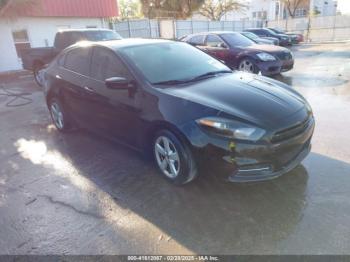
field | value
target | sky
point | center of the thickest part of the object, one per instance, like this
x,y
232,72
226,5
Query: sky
x,y
344,6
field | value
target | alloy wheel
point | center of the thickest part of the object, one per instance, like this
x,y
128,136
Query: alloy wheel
x,y
167,157
57,115
246,66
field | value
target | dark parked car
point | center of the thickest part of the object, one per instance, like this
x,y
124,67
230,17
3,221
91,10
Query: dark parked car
x,y
239,52
181,105
296,38
261,40
36,58
265,32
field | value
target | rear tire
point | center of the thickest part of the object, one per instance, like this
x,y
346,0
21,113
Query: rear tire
x,y
174,158
59,116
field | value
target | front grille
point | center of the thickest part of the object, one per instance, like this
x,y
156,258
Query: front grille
x,y
284,56
292,131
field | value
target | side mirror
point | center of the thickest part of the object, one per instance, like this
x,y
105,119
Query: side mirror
x,y
118,83
223,45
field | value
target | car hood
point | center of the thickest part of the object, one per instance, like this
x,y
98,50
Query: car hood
x,y
266,48
244,97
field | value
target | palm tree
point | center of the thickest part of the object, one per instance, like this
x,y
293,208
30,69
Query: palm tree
x,y
12,8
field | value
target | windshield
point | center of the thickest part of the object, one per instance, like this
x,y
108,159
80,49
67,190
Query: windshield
x,y
237,40
250,35
278,31
102,35
171,61
270,31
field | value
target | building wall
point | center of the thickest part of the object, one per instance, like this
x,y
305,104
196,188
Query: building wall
x,y
325,7
41,32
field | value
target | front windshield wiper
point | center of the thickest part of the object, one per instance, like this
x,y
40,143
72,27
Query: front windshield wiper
x,y
209,74
170,82
206,75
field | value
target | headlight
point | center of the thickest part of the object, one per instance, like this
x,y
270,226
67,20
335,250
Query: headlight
x,y
266,57
230,128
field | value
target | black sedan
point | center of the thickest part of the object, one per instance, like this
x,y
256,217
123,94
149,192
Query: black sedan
x,y
261,40
239,52
265,32
179,104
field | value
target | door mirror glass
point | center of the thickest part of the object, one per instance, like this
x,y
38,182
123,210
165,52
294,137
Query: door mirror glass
x,y
117,83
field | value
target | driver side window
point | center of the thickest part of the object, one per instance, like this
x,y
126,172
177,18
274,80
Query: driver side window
x,y
106,64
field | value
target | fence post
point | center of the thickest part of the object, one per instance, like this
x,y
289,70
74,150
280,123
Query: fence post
x,y
129,29
192,25
334,23
174,29
150,27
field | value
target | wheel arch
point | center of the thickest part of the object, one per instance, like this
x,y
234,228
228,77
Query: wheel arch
x,y
54,93
157,126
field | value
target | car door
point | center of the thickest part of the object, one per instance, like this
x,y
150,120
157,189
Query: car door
x,y
217,48
115,112
73,77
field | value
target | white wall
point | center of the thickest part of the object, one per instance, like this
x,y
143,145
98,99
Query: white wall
x,y
41,31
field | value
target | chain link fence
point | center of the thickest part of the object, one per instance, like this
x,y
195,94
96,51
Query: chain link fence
x,y
146,28
185,27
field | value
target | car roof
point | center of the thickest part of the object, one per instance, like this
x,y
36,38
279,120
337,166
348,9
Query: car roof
x,y
127,42
254,28
213,32
84,30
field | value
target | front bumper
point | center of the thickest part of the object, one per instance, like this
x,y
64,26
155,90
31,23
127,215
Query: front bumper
x,y
269,68
252,161
267,173
287,65
264,162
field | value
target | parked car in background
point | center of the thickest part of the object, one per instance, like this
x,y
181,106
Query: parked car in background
x,y
257,39
36,58
261,40
284,40
296,38
239,52
183,107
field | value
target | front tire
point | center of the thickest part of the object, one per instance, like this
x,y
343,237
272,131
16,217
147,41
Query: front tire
x,y
174,158
59,117
248,65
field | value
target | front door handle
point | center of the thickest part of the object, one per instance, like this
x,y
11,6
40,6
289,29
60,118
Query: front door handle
x,y
89,89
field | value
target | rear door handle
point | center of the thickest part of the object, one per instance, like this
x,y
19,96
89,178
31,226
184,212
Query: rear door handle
x,y
89,89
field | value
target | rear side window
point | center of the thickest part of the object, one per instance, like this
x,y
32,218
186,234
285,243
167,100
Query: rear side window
x,y
214,41
106,64
78,60
196,40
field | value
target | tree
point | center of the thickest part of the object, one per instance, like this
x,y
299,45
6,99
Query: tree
x,y
170,8
129,9
292,5
12,8
216,9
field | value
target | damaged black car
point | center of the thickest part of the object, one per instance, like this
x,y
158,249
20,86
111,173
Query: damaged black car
x,y
173,101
